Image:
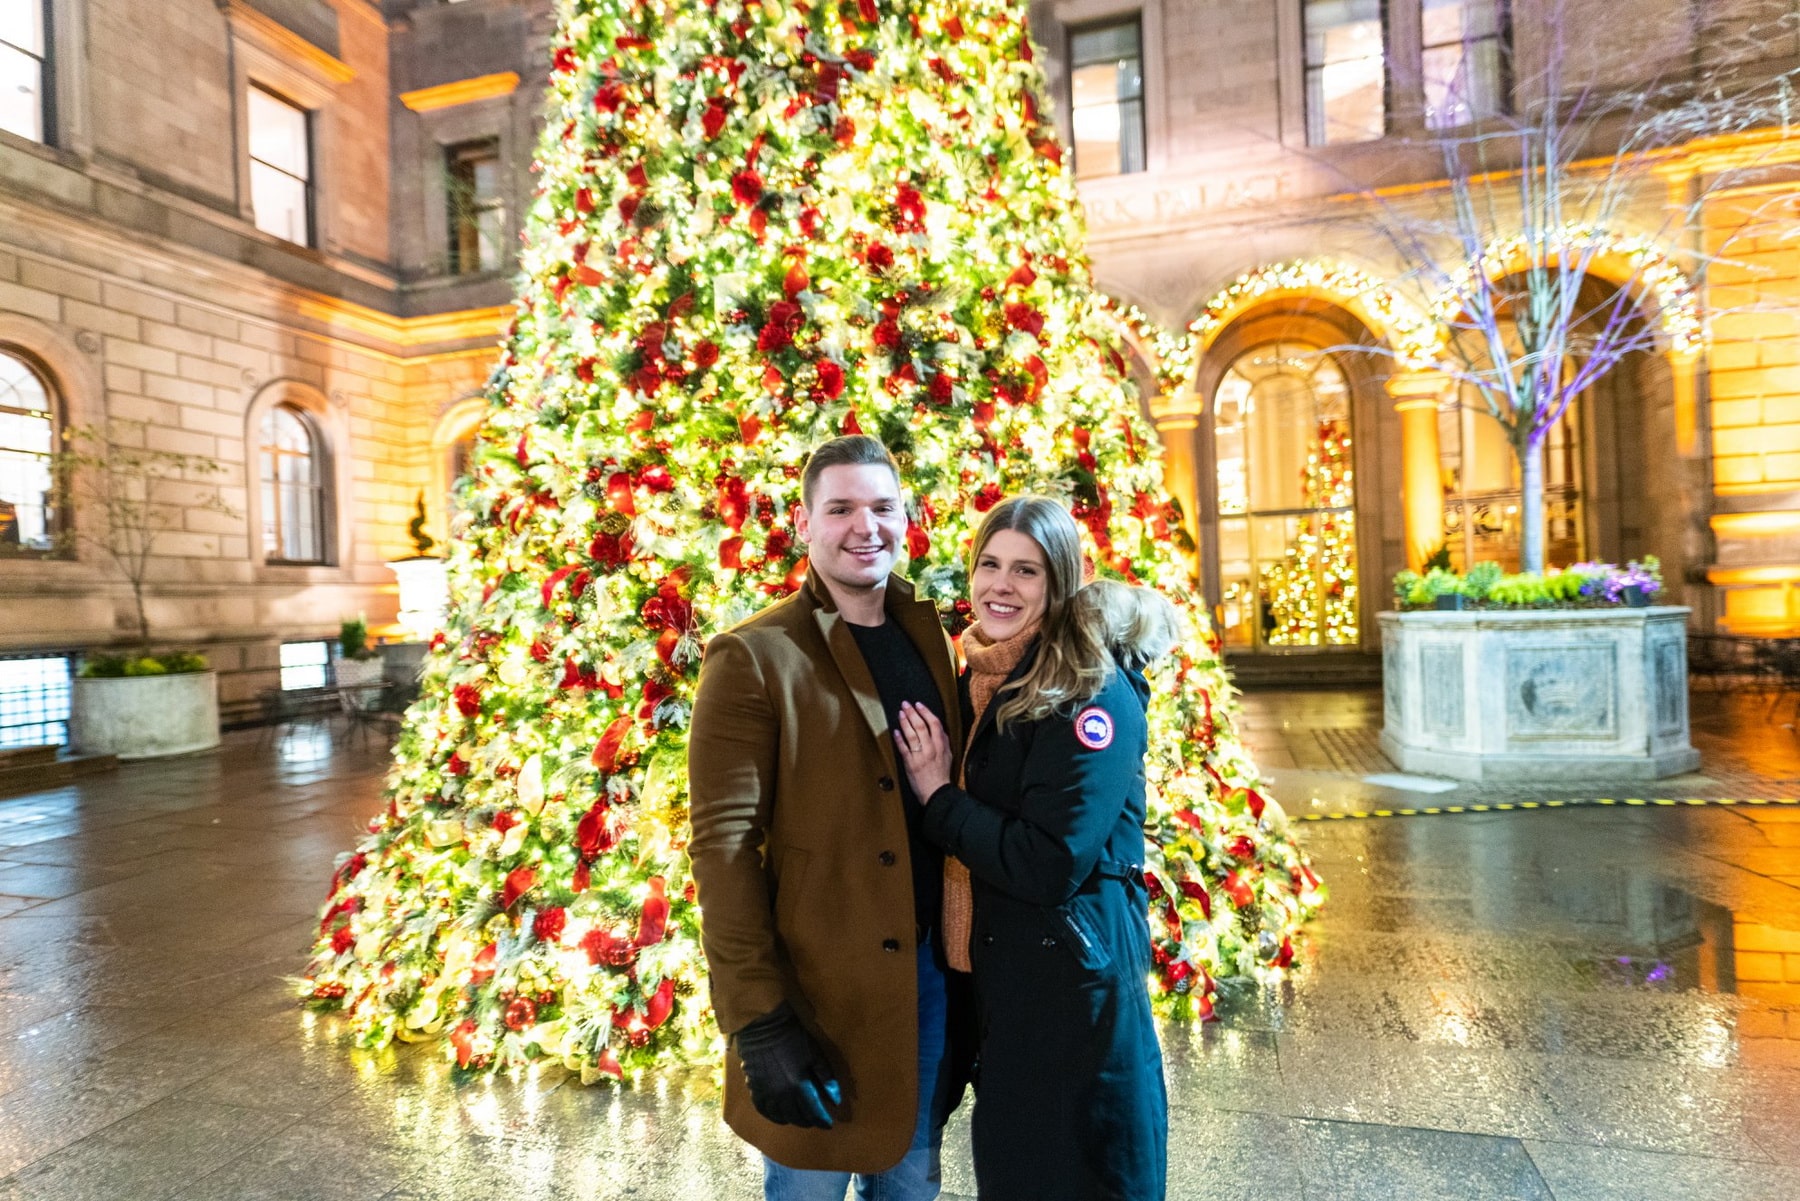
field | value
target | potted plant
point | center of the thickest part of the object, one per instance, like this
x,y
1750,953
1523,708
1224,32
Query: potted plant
x,y
138,705
1559,674
358,664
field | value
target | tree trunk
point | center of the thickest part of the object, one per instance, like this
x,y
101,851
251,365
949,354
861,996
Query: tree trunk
x,y
1531,503
137,595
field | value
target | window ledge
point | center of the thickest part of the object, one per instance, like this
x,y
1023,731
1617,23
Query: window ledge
x,y
37,149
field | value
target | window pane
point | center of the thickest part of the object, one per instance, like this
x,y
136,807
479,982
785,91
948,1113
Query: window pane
x,y
299,518
1462,61
25,431
21,91
1460,20
284,429
1106,88
22,25
20,387
27,502
303,664
1462,82
1237,605
1346,71
278,134
27,437
477,211
1104,44
279,202
34,701
271,515
292,496
484,177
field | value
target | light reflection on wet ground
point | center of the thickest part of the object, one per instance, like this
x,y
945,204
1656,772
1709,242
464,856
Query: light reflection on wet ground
x,y
1579,1004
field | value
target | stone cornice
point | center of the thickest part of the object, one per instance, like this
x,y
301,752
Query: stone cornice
x,y
158,264
462,91
285,43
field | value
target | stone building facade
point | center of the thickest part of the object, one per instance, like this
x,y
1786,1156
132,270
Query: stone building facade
x,y
1276,148
147,275
282,240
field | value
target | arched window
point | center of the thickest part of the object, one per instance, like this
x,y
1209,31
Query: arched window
x,y
293,487
1287,500
462,462
28,488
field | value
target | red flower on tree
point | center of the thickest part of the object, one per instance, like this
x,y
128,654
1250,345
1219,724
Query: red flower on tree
x,y
468,699
549,923
717,109
746,187
784,321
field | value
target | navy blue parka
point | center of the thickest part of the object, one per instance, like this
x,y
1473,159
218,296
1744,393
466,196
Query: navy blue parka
x,y
1070,1102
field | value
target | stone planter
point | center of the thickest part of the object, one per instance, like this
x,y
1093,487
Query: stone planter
x,y
404,661
145,717
1553,694
356,673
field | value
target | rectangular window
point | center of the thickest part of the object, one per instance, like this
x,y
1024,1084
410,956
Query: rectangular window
x,y
1346,71
24,69
1464,61
280,167
34,701
303,664
477,207
1106,98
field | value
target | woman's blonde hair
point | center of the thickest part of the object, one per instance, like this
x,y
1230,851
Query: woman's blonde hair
x,y
1083,626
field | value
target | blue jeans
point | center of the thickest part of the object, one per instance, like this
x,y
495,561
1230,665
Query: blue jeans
x,y
916,1176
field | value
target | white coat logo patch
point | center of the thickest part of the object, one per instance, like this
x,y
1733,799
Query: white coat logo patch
x,y
1094,728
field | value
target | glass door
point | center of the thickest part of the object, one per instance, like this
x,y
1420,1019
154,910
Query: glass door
x,y
1287,501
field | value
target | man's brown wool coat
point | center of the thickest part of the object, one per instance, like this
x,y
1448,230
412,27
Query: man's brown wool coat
x,y
801,861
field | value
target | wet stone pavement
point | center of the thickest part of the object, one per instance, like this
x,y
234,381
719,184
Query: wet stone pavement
x,y
1584,1004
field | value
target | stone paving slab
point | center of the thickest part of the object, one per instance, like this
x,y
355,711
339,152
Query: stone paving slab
x,y
1563,1004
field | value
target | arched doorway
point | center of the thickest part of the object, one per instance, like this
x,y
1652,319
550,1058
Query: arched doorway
x,y
1284,471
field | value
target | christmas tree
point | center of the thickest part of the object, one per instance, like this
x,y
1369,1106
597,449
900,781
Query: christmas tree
x,y
1312,591
757,225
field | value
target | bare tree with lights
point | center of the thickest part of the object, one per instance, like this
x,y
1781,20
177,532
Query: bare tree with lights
x,y
129,495
1504,253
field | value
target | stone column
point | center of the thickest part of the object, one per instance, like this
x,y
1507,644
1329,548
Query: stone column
x,y
1177,418
1417,395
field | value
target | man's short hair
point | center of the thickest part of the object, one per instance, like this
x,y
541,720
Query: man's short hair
x,y
852,450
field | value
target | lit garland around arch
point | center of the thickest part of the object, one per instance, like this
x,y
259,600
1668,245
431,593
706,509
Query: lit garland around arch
x,y
1653,275
1175,354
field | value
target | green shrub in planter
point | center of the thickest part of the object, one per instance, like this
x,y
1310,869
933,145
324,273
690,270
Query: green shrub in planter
x,y
353,639
111,667
1582,585
1479,581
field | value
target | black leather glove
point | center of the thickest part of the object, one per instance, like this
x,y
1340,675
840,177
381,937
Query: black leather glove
x,y
789,1078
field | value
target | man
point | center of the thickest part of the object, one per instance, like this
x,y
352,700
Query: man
x,y
819,896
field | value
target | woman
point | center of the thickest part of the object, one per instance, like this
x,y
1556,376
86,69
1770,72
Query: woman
x,y
1049,823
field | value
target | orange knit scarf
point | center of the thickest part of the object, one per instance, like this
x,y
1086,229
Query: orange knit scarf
x,y
989,665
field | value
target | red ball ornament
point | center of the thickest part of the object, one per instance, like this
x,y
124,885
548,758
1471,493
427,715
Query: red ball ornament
x,y
520,1013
